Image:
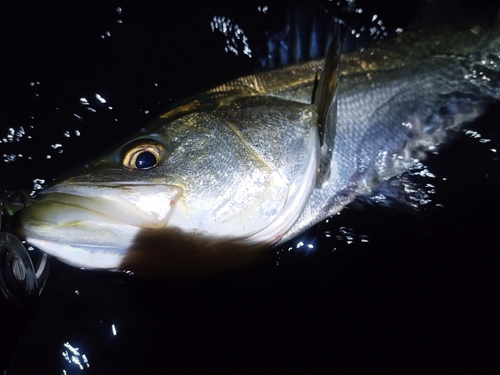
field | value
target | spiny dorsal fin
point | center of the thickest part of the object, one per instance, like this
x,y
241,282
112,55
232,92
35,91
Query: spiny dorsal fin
x,y
325,99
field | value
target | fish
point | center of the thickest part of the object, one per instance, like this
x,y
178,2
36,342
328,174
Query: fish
x,y
215,182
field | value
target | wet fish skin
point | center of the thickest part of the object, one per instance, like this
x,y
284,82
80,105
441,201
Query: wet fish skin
x,y
395,101
399,99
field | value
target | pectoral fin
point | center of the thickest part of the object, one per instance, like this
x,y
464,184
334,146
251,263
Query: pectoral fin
x,y
325,99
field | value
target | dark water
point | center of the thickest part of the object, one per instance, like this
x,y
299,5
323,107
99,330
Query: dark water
x,y
384,289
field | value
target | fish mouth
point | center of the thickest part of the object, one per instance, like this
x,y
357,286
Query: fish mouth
x,y
97,221
140,205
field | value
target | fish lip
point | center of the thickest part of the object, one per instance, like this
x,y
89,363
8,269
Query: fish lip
x,y
67,185
131,203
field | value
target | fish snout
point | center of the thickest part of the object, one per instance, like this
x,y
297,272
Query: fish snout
x,y
138,205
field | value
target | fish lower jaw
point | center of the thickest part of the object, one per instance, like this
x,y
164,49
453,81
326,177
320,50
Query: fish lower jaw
x,y
88,244
85,257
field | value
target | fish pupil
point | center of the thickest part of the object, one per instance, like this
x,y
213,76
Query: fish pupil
x,y
145,160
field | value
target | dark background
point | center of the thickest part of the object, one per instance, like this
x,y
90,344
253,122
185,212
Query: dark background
x,y
386,289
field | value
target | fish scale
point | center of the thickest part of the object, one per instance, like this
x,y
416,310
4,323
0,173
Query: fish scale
x,y
381,90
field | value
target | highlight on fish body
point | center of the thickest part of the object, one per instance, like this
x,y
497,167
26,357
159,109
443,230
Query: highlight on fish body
x,y
215,182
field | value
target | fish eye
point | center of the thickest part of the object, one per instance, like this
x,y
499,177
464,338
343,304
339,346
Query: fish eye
x,y
142,155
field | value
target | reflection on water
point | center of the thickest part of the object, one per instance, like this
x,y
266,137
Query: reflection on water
x,y
73,356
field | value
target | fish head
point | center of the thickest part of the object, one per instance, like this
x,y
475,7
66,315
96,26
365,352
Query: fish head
x,y
206,186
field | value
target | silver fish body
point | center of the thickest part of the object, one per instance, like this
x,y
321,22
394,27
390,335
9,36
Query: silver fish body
x,y
399,100
235,169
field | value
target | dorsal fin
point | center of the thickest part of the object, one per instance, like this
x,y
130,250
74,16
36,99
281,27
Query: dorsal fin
x,y
325,99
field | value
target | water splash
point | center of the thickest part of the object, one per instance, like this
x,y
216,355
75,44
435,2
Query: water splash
x,y
237,41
